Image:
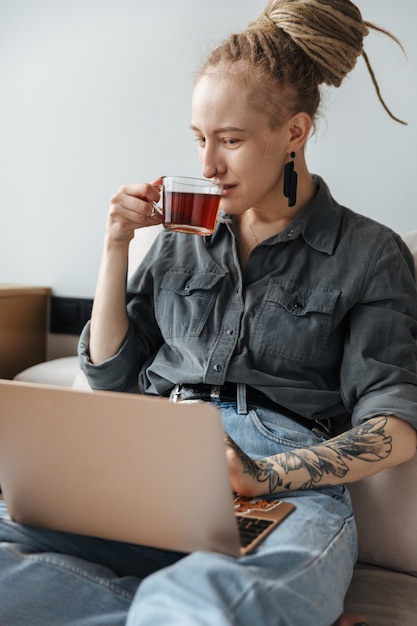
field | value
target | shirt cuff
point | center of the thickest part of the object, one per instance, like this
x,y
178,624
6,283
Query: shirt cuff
x,y
116,373
399,400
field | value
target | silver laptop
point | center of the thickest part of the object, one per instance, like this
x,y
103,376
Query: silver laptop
x,y
126,467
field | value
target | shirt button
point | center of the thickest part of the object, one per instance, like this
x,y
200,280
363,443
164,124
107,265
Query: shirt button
x,y
291,232
229,331
217,367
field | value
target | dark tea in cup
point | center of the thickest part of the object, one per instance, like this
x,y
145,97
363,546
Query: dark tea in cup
x,y
190,205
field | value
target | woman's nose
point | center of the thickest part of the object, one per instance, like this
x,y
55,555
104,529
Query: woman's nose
x,y
211,166
209,169
209,172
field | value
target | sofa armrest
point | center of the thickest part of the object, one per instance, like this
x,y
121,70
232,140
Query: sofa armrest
x,y
385,507
63,372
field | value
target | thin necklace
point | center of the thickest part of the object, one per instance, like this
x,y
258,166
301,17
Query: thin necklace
x,y
253,234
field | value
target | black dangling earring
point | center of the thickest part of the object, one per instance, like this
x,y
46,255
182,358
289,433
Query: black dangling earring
x,y
290,181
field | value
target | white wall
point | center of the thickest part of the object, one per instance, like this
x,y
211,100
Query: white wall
x,y
95,93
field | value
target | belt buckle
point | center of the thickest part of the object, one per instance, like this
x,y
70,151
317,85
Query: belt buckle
x,y
215,392
175,394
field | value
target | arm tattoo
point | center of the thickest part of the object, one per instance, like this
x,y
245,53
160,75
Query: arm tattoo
x,y
261,471
367,442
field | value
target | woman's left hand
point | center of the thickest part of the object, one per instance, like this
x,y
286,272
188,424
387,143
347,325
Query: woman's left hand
x,y
248,477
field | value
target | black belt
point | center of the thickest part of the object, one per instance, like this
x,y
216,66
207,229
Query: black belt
x,y
228,393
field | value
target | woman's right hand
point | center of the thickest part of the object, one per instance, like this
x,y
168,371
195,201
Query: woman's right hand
x,y
131,208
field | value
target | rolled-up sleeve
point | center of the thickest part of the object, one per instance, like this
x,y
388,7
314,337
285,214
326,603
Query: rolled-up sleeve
x,y
142,340
115,374
378,373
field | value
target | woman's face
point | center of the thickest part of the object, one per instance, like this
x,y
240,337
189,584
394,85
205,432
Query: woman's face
x,y
238,142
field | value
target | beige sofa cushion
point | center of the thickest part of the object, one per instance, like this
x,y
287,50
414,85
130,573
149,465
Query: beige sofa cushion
x,y
385,598
385,507
62,372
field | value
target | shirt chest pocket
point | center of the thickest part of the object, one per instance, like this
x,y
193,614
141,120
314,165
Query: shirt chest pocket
x,y
293,322
185,301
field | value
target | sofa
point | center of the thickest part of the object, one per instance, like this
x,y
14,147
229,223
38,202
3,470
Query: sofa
x,y
384,584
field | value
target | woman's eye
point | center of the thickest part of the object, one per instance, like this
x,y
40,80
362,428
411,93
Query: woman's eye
x,y
231,141
201,141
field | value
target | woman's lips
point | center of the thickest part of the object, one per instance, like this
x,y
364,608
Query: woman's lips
x,y
227,190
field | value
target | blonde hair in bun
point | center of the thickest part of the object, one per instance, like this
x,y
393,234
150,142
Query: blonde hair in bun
x,y
299,45
330,32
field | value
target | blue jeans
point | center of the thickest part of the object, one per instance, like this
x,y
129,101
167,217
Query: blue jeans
x,y
298,576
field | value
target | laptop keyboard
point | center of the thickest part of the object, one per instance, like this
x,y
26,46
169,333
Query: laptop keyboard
x,y
250,528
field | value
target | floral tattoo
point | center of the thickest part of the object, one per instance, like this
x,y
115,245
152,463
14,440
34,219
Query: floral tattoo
x,y
368,443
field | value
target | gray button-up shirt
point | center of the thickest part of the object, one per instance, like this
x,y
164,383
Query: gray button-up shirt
x,y
322,320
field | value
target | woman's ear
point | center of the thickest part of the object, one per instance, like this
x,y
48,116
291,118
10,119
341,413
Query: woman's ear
x,y
299,127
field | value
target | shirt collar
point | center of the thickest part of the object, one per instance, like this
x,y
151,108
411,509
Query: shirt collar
x,y
320,219
318,222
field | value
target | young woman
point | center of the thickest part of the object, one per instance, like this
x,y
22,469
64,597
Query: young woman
x,y
299,312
